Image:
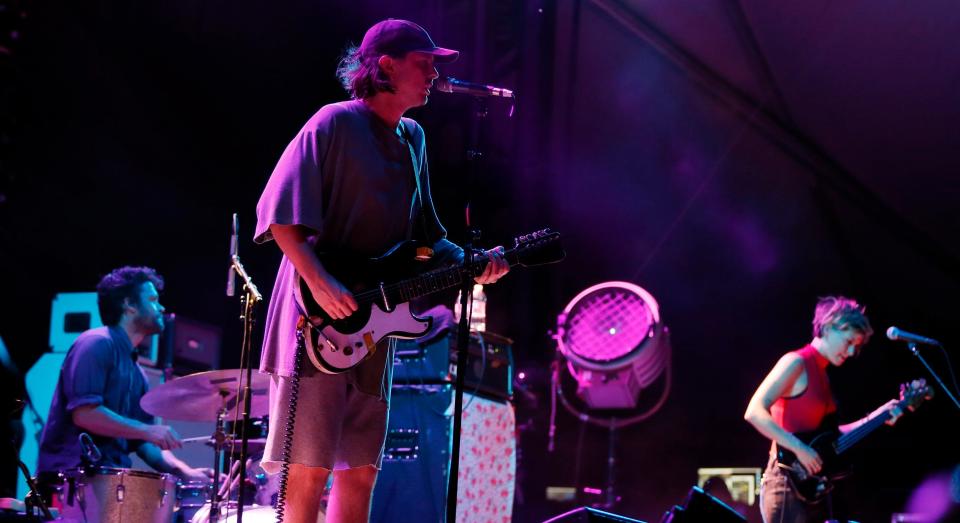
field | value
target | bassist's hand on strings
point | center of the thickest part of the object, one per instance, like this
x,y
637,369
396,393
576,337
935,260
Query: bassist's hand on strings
x,y
333,297
809,458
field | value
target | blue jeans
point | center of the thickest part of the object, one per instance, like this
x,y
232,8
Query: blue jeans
x,y
780,504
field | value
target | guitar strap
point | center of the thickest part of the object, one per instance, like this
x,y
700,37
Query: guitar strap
x,y
418,195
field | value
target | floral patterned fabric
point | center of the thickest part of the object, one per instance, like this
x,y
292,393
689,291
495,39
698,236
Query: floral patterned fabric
x,y
488,462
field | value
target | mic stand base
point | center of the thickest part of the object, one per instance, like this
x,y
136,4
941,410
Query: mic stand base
x,y
33,500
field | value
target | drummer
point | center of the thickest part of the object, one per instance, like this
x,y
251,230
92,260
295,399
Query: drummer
x,y
101,384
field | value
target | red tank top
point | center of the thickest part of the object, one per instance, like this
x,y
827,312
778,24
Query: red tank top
x,y
805,411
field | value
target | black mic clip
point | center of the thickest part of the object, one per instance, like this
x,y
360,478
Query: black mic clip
x,y
90,454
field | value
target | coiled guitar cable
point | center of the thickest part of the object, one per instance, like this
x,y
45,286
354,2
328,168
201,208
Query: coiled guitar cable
x,y
287,446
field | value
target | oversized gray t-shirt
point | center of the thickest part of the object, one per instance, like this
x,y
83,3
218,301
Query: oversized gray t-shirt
x,y
348,177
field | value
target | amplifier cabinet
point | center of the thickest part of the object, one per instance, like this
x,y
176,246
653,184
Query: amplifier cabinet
x,y
412,483
489,370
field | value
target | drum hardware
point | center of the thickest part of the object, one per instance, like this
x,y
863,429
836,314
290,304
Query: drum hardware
x,y
191,497
211,395
219,437
229,438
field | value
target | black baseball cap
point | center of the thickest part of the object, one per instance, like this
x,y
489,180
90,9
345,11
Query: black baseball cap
x,y
396,37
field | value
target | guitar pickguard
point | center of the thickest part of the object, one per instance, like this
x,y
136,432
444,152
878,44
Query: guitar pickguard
x,y
334,352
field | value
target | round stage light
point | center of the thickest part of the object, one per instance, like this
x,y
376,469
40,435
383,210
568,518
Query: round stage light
x,y
614,342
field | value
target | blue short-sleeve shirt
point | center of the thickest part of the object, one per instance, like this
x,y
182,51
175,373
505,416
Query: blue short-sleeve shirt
x,y
100,369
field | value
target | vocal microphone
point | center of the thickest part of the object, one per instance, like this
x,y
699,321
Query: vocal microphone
x,y
91,453
231,274
452,85
896,334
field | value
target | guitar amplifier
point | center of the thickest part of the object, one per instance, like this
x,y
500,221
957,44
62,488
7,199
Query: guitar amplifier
x,y
412,484
489,370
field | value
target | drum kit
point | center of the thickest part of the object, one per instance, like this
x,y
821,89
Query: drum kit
x,y
93,494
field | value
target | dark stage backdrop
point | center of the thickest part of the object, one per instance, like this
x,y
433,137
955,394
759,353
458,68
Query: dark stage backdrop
x,y
143,127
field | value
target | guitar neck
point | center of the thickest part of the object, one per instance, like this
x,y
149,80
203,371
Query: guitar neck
x,y
853,437
440,279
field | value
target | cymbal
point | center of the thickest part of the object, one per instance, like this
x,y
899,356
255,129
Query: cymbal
x,y
198,397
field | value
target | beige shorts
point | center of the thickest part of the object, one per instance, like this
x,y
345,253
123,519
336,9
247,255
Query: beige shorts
x,y
335,427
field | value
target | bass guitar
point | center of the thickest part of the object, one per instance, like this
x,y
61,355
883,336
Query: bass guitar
x,y
383,288
832,446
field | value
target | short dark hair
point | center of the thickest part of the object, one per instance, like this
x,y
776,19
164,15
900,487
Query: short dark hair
x,y
361,75
122,284
841,313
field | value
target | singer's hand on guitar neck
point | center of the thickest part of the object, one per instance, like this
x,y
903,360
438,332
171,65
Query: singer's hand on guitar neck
x,y
495,269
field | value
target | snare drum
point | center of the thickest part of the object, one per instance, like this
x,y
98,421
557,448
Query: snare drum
x,y
118,495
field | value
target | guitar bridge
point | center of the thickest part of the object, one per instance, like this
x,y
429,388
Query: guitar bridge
x,y
319,340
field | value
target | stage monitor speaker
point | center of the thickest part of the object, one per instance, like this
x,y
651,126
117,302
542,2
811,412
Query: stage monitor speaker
x,y
190,345
701,507
590,515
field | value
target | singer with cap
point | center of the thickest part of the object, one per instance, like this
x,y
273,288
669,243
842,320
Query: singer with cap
x,y
95,417
354,180
796,397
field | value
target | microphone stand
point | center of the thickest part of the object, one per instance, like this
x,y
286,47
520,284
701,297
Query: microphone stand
x,y
33,500
913,348
463,328
249,301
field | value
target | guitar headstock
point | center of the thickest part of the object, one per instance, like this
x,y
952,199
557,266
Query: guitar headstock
x,y
537,248
914,393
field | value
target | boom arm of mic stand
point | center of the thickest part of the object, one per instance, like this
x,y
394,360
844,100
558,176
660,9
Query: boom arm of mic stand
x,y
913,348
247,282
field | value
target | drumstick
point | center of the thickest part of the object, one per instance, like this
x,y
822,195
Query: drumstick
x,y
198,439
